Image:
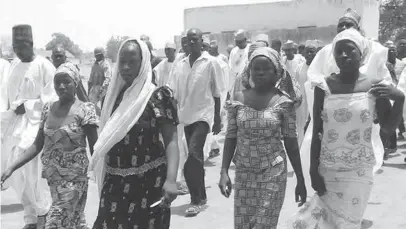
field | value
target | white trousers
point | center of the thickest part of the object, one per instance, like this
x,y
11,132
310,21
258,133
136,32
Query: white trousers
x,y
183,151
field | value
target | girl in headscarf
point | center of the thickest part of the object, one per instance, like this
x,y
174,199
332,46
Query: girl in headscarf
x,y
261,124
134,168
61,138
346,105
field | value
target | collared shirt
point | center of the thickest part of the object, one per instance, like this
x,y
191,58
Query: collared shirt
x,y
100,77
195,88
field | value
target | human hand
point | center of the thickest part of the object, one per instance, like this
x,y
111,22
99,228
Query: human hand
x,y
5,175
217,124
225,184
300,192
317,182
387,91
170,190
20,109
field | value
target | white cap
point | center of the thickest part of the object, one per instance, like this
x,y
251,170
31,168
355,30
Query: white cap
x,y
170,45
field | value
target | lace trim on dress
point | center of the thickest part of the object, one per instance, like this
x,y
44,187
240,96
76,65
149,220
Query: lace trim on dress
x,y
138,170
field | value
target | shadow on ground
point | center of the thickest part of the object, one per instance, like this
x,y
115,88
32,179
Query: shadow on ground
x,y
366,223
396,166
11,208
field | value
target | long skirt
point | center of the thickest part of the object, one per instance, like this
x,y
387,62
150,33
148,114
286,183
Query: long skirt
x,y
125,201
342,206
259,197
68,204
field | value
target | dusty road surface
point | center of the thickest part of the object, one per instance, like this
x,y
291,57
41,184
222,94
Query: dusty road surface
x,y
386,208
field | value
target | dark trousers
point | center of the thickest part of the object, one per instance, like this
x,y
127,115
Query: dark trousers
x,y
402,128
196,134
389,141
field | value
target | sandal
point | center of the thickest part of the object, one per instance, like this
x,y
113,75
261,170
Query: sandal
x,y
192,211
30,226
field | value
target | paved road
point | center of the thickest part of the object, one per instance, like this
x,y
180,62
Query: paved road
x,y
386,208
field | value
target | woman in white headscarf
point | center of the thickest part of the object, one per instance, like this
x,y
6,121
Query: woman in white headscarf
x,y
346,105
135,168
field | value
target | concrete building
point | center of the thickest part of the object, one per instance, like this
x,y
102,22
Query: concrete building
x,y
296,20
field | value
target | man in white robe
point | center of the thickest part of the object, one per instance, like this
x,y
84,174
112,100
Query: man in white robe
x,y
302,112
214,143
291,60
238,56
29,88
164,68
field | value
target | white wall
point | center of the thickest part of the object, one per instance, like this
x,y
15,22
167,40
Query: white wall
x,y
267,16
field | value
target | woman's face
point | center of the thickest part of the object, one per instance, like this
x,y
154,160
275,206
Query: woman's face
x,y
130,59
263,72
347,56
64,86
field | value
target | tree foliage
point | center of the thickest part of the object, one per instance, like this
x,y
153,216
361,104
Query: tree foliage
x,y
64,41
113,45
392,19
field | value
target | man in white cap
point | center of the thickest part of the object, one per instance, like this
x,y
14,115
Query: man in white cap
x,y
100,77
206,44
162,71
4,67
29,90
214,142
291,60
238,56
302,112
214,51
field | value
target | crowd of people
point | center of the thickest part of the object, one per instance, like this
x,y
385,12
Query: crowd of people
x,y
145,126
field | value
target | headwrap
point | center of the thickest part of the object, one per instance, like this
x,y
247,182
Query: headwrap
x,y
71,70
240,35
351,15
353,35
287,84
262,37
311,44
22,33
99,51
214,42
115,125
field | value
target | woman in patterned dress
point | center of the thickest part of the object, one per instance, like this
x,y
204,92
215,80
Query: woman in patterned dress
x,y
64,126
262,123
135,168
345,107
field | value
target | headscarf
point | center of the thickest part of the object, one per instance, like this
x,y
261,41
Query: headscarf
x,y
311,44
115,125
71,70
245,79
287,84
353,35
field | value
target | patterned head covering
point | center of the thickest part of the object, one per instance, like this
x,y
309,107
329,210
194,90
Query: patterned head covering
x,y
99,51
351,15
206,40
289,45
22,33
311,44
214,43
71,70
286,84
240,35
170,45
262,37
353,35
